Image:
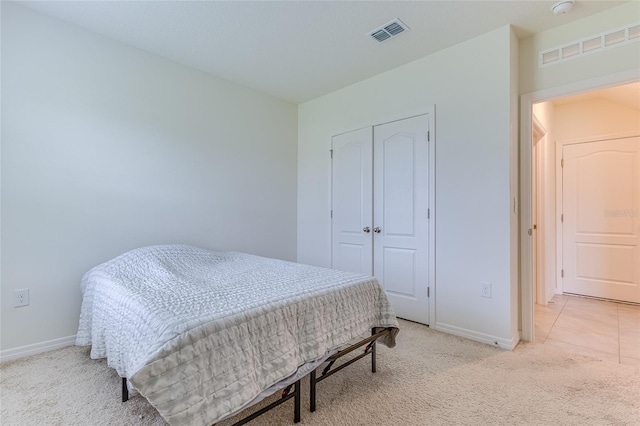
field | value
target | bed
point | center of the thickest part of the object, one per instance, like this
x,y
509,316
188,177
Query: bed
x,y
203,335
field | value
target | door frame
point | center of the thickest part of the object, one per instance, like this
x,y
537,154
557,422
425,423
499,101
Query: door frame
x,y
431,112
527,296
537,216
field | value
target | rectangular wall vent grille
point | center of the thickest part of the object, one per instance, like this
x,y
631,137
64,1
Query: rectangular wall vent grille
x,y
592,44
570,51
614,38
388,30
550,56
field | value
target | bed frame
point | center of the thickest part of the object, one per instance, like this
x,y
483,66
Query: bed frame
x,y
287,394
370,349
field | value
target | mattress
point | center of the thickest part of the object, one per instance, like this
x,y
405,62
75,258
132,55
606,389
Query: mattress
x,y
202,334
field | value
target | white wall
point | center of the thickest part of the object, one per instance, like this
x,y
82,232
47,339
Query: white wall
x,y
610,61
594,118
473,92
106,148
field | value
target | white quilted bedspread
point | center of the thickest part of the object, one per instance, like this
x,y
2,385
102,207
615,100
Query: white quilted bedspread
x,y
201,333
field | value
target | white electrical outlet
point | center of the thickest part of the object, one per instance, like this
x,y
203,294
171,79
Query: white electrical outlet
x,y
20,297
485,289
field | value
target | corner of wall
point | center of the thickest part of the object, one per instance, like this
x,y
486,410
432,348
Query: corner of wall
x,y
514,183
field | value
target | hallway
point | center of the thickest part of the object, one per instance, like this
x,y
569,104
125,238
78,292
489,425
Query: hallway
x,y
606,330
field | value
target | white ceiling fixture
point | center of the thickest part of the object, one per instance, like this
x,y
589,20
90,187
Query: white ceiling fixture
x,y
320,49
562,7
388,30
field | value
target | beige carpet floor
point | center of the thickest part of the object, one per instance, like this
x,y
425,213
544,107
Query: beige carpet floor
x,y
430,378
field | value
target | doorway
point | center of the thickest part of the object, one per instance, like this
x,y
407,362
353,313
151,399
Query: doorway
x,y
548,278
585,239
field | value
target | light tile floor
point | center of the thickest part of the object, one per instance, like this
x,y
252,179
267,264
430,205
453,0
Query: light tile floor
x,y
607,330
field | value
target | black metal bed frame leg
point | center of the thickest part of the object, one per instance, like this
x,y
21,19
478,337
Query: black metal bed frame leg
x,y
373,352
296,402
125,390
312,391
369,350
286,395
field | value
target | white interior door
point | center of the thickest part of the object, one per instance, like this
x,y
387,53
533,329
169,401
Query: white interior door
x,y
352,202
600,228
401,225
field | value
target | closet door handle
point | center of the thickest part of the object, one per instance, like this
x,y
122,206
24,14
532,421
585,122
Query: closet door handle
x,y
366,229
376,230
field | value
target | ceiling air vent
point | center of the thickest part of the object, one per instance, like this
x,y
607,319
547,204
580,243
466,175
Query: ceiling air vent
x,y
589,45
388,30
381,35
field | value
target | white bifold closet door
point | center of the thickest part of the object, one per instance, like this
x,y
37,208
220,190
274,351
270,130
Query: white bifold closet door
x,y
380,202
352,202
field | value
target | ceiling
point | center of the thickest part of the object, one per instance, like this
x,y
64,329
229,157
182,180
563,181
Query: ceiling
x,y
300,50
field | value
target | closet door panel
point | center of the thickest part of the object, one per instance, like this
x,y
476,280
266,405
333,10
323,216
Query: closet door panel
x,y
398,268
401,202
398,176
351,202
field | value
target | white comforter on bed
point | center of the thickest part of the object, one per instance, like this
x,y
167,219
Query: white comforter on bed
x,y
200,334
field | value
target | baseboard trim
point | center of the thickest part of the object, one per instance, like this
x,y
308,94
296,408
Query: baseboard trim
x,y
499,342
36,348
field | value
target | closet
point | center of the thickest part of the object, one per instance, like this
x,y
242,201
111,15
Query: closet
x,y
381,217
